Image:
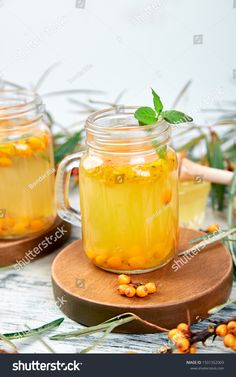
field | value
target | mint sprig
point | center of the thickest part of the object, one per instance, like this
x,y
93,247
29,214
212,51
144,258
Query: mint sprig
x,y
147,115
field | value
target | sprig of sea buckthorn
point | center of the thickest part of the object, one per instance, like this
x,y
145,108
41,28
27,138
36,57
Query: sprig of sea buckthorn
x,y
129,289
185,340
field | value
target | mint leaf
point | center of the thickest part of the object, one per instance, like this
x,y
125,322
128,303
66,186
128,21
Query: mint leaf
x,y
157,102
162,151
145,115
174,117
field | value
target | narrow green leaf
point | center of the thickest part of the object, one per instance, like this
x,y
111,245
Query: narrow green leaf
x,y
39,330
192,143
99,340
212,238
175,117
215,158
157,102
115,322
145,115
68,147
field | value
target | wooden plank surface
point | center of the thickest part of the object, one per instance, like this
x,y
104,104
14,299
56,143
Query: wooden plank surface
x,y
27,300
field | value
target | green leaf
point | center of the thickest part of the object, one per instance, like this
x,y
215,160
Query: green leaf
x,y
162,151
68,147
192,143
39,330
157,102
175,117
145,115
115,321
216,160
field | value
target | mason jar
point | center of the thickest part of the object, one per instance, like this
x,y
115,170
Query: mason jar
x,y
128,185
27,200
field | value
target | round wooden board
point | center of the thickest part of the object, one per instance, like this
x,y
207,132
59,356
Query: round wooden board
x,y
12,251
90,294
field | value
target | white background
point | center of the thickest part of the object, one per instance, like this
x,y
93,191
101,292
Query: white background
x,y
131,44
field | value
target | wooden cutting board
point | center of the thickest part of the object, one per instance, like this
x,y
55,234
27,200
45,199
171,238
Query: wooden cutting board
x,y
90,294
12,251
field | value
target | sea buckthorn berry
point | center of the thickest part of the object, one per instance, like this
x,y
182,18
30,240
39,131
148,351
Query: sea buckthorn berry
x,y
221,330
36,224
182,344
183,327
5,162
193,349
7,150
229,340
172,333
141,291
20,227
213,228
10,222
178,336
122,288
231,327
124,279
114,262
166,196
137,262
90,254
130,291
151,287
100,260
36,143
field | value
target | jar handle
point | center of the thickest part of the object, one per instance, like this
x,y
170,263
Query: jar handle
x,y
64,209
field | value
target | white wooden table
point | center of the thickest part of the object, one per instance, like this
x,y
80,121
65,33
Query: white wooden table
x,y
26,299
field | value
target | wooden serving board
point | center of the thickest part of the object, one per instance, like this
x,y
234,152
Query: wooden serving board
x,y
90,294
12,251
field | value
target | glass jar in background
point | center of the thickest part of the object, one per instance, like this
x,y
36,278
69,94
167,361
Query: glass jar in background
x,y
128,192
27,201
193,196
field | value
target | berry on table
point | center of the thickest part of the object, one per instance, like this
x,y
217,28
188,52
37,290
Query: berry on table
x,y
141,291
231,327
183,327
122,288
229,340
124,279
130,291
182,344
172,334
151,287
221,330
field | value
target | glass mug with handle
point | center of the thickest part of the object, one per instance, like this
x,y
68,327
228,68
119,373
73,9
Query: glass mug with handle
x,y
128,185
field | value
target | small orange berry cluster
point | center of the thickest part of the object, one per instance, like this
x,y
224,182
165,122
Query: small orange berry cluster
x,y
180,336
129,289
228,332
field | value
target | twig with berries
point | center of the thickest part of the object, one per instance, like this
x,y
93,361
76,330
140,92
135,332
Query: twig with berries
x,y
184,340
